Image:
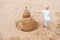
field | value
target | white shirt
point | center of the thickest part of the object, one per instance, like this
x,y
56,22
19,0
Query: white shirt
x,y
46,14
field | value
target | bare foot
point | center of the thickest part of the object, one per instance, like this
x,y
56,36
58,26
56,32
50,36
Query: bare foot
x,y
45,27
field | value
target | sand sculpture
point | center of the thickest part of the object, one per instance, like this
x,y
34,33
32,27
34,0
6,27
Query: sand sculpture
x,y
27,23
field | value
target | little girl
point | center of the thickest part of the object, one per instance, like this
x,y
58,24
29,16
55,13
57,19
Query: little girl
x,y
46,14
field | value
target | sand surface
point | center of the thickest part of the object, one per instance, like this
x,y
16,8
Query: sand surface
x,y
12,10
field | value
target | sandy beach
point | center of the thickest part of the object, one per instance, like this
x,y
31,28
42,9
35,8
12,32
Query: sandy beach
x,y
12,10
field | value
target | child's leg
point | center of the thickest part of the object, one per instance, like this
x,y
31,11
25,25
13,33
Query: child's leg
x,y
46,22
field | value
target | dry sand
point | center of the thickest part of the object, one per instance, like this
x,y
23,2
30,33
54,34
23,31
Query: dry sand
x,y
12,10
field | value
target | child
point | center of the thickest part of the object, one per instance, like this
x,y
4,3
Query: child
x,y
46,14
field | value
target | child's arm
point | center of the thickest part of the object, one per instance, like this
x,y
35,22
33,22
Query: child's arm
x,y
37,12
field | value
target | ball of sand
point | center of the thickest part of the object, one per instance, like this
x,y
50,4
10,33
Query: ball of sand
x,y
26,14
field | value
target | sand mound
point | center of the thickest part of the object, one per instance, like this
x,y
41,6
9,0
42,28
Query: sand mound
x,y
27,23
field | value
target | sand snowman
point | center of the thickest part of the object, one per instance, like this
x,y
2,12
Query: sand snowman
x,y
27,23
